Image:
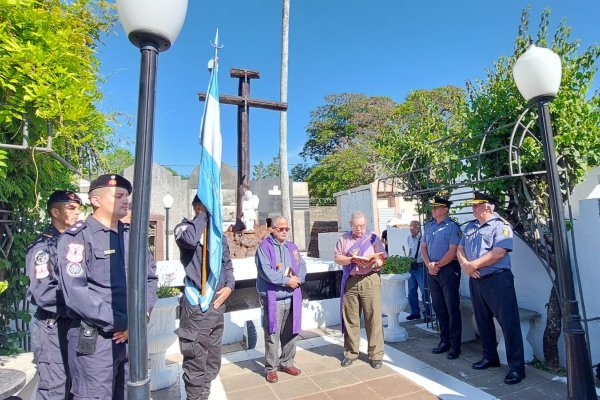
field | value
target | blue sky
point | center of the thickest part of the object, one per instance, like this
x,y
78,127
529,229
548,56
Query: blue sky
x,y
376,47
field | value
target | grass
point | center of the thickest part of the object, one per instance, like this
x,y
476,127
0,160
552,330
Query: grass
x,y
541,365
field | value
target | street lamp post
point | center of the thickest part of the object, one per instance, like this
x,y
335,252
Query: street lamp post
x,y
167,203
537,74
152,26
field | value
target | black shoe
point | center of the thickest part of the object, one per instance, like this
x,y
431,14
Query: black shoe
x,y
513,377
346,362
376,364
413,316
453,354
484,363
441,348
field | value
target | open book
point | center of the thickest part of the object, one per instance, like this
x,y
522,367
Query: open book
x,y
372,257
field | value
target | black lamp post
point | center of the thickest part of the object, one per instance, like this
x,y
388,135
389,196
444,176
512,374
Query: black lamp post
x,y
153,26
537,74
167,203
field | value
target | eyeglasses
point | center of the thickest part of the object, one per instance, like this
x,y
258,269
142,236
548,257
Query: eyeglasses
x,y
285,229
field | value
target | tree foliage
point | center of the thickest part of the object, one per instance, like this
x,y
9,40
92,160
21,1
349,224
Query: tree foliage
x,y
49,77
356,139
265,171
576,125
117,159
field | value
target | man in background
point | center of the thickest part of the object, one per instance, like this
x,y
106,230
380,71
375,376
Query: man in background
x,y
418,280
50,323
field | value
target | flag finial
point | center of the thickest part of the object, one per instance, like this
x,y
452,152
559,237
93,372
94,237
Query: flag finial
x,y
215,44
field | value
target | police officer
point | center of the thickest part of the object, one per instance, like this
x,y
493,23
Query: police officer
x,y
93,257
50,323
200,331
483,255
438,249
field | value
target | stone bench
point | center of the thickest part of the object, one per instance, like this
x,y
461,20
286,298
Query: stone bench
x,y
469,328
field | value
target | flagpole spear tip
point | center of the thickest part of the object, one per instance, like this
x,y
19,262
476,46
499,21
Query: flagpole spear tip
x,y
216,46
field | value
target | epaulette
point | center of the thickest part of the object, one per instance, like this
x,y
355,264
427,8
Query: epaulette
x,y
467,222
76,228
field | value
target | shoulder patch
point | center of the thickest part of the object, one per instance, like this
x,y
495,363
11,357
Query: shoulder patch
x,y
41,271
41,257
74,252
75,229
506,232
74,270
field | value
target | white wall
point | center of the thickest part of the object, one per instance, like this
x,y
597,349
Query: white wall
x,y
356,199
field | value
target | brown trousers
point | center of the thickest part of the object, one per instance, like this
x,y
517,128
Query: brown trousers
x,y
363,294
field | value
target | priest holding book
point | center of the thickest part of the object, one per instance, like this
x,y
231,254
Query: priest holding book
x,y
362,255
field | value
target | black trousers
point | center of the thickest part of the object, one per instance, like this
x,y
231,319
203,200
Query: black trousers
x,y
495,296
445,299
200,335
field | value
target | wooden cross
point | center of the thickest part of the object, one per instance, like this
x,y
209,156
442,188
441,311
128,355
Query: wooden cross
x,y
244,102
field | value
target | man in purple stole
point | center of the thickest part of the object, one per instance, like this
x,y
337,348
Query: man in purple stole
x,y
281,271
361,289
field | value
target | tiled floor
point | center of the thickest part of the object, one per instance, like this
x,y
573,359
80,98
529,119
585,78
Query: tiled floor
x,y
410,371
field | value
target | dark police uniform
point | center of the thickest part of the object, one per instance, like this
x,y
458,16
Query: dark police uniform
x,y
50,323
493,293
199,332
444,287
93,269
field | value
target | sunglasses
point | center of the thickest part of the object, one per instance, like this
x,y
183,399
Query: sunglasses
x,y
281,229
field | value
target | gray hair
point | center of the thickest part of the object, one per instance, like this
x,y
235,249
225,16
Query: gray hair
x,y
278,218
356,215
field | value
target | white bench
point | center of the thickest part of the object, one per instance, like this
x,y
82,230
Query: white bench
x,y
469,328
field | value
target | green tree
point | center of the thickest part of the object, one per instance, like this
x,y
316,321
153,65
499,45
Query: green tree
x,y
49,77
576,125
265,171
117,160
300,172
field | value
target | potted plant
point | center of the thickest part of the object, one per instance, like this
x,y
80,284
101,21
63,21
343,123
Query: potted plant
x,y
161,336
395,273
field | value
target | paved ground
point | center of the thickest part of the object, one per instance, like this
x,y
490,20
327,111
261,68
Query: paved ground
x,y
410,371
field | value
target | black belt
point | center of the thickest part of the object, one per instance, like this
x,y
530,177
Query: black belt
x,y
496,272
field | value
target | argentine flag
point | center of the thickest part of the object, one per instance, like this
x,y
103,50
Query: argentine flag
x,y
209,191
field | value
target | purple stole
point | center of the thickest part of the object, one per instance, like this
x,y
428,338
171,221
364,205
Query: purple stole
x,y
362,244
269,248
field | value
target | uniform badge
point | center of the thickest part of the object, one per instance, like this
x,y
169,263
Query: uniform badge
x,y
74,270
506,232
41,257
75,253
296,256
41,271
109,252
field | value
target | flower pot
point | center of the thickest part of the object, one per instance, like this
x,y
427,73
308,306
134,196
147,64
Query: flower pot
x,y
394,301
160,336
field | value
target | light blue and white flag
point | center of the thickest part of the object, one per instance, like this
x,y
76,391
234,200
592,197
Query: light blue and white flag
x,y
209,191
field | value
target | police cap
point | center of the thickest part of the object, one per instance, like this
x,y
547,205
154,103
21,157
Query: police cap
x,y
63,196
196,200
438,201
480,198
110,180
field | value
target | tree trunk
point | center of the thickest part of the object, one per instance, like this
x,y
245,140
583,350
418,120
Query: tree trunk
x,y
552,331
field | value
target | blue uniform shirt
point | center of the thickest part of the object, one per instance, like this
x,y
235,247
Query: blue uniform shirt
x,y
439,237
40,263
92,261
479,239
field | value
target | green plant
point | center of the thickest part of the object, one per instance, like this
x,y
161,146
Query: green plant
x,y
397,265
166,290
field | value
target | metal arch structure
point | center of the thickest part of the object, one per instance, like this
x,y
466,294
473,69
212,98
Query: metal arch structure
x,y
406,182
418,182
